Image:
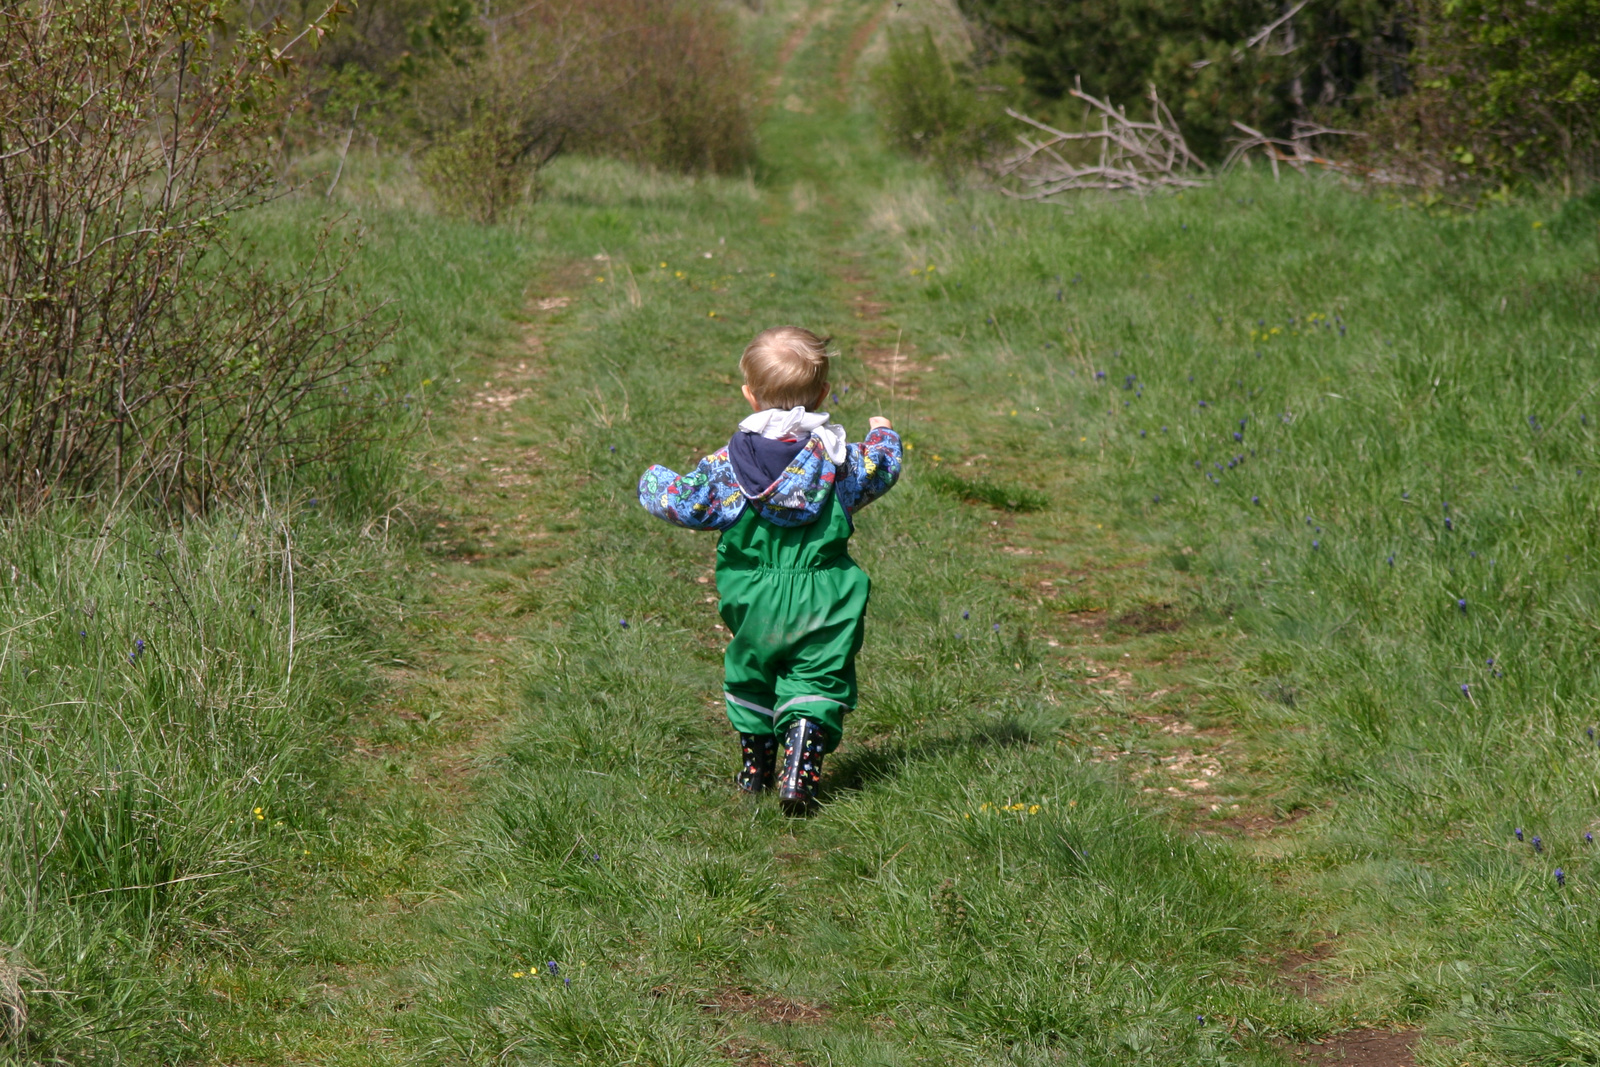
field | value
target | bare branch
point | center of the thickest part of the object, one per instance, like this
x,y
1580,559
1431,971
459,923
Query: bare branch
x,y
1130,155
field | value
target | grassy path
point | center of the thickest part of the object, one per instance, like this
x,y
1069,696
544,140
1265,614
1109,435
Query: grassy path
x,y
1070,820
547,784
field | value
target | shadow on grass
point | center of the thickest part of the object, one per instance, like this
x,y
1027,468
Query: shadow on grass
x,y
885,759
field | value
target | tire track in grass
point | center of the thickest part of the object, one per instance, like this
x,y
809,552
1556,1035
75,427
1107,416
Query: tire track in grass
x,y
845,73
451,693
796,37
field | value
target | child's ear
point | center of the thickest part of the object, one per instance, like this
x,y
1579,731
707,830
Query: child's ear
x,y
749,394
822,396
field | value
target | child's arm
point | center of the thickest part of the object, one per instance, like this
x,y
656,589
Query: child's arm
x,y
870,468
706,498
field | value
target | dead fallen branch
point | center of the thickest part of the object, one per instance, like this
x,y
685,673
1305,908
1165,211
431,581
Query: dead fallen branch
x,y
1129,155
1298,151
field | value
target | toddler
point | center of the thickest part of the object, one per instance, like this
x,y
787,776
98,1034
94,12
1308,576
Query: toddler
x,y
782,493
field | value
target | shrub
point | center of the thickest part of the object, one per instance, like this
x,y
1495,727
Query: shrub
x,y
930,107
659,82
1211,63
684,88
142,351
1500,88
1504,91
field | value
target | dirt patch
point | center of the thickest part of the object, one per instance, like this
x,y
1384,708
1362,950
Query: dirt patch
x,y
767,1009
749,1054
1254,823
1151,619
1296,969
1363,1048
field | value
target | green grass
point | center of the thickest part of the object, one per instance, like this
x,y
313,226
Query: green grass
x,y
1089,662
1399,531
166,756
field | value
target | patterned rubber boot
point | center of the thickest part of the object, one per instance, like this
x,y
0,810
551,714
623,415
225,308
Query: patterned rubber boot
x,y
758,757
802,766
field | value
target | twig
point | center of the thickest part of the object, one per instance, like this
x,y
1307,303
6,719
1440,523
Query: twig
x,y
894,371
351,132
1132,155
1296,151
1266,31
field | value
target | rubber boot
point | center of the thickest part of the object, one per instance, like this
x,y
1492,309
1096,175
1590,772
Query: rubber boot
x,y
802,766
758,757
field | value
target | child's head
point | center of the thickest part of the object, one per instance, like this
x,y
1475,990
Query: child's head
x,y
785,367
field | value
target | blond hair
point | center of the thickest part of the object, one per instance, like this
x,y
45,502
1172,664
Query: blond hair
x,y
786,367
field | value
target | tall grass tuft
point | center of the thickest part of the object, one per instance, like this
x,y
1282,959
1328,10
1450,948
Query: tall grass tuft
x,y
165,701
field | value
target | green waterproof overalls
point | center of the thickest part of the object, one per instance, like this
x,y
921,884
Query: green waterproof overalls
x,y
796,605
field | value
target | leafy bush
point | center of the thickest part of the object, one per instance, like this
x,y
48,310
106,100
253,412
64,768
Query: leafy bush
x,y
141,349
930,107
656,81
1506,91
1448,87
1211,63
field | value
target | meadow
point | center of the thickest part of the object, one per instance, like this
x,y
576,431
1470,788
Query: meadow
x,y
1224,693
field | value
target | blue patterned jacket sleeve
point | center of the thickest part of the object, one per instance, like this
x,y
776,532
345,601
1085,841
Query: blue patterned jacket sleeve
x,y
706,498
870,470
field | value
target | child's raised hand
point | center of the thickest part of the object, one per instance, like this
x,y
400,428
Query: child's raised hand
x,y
878,422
